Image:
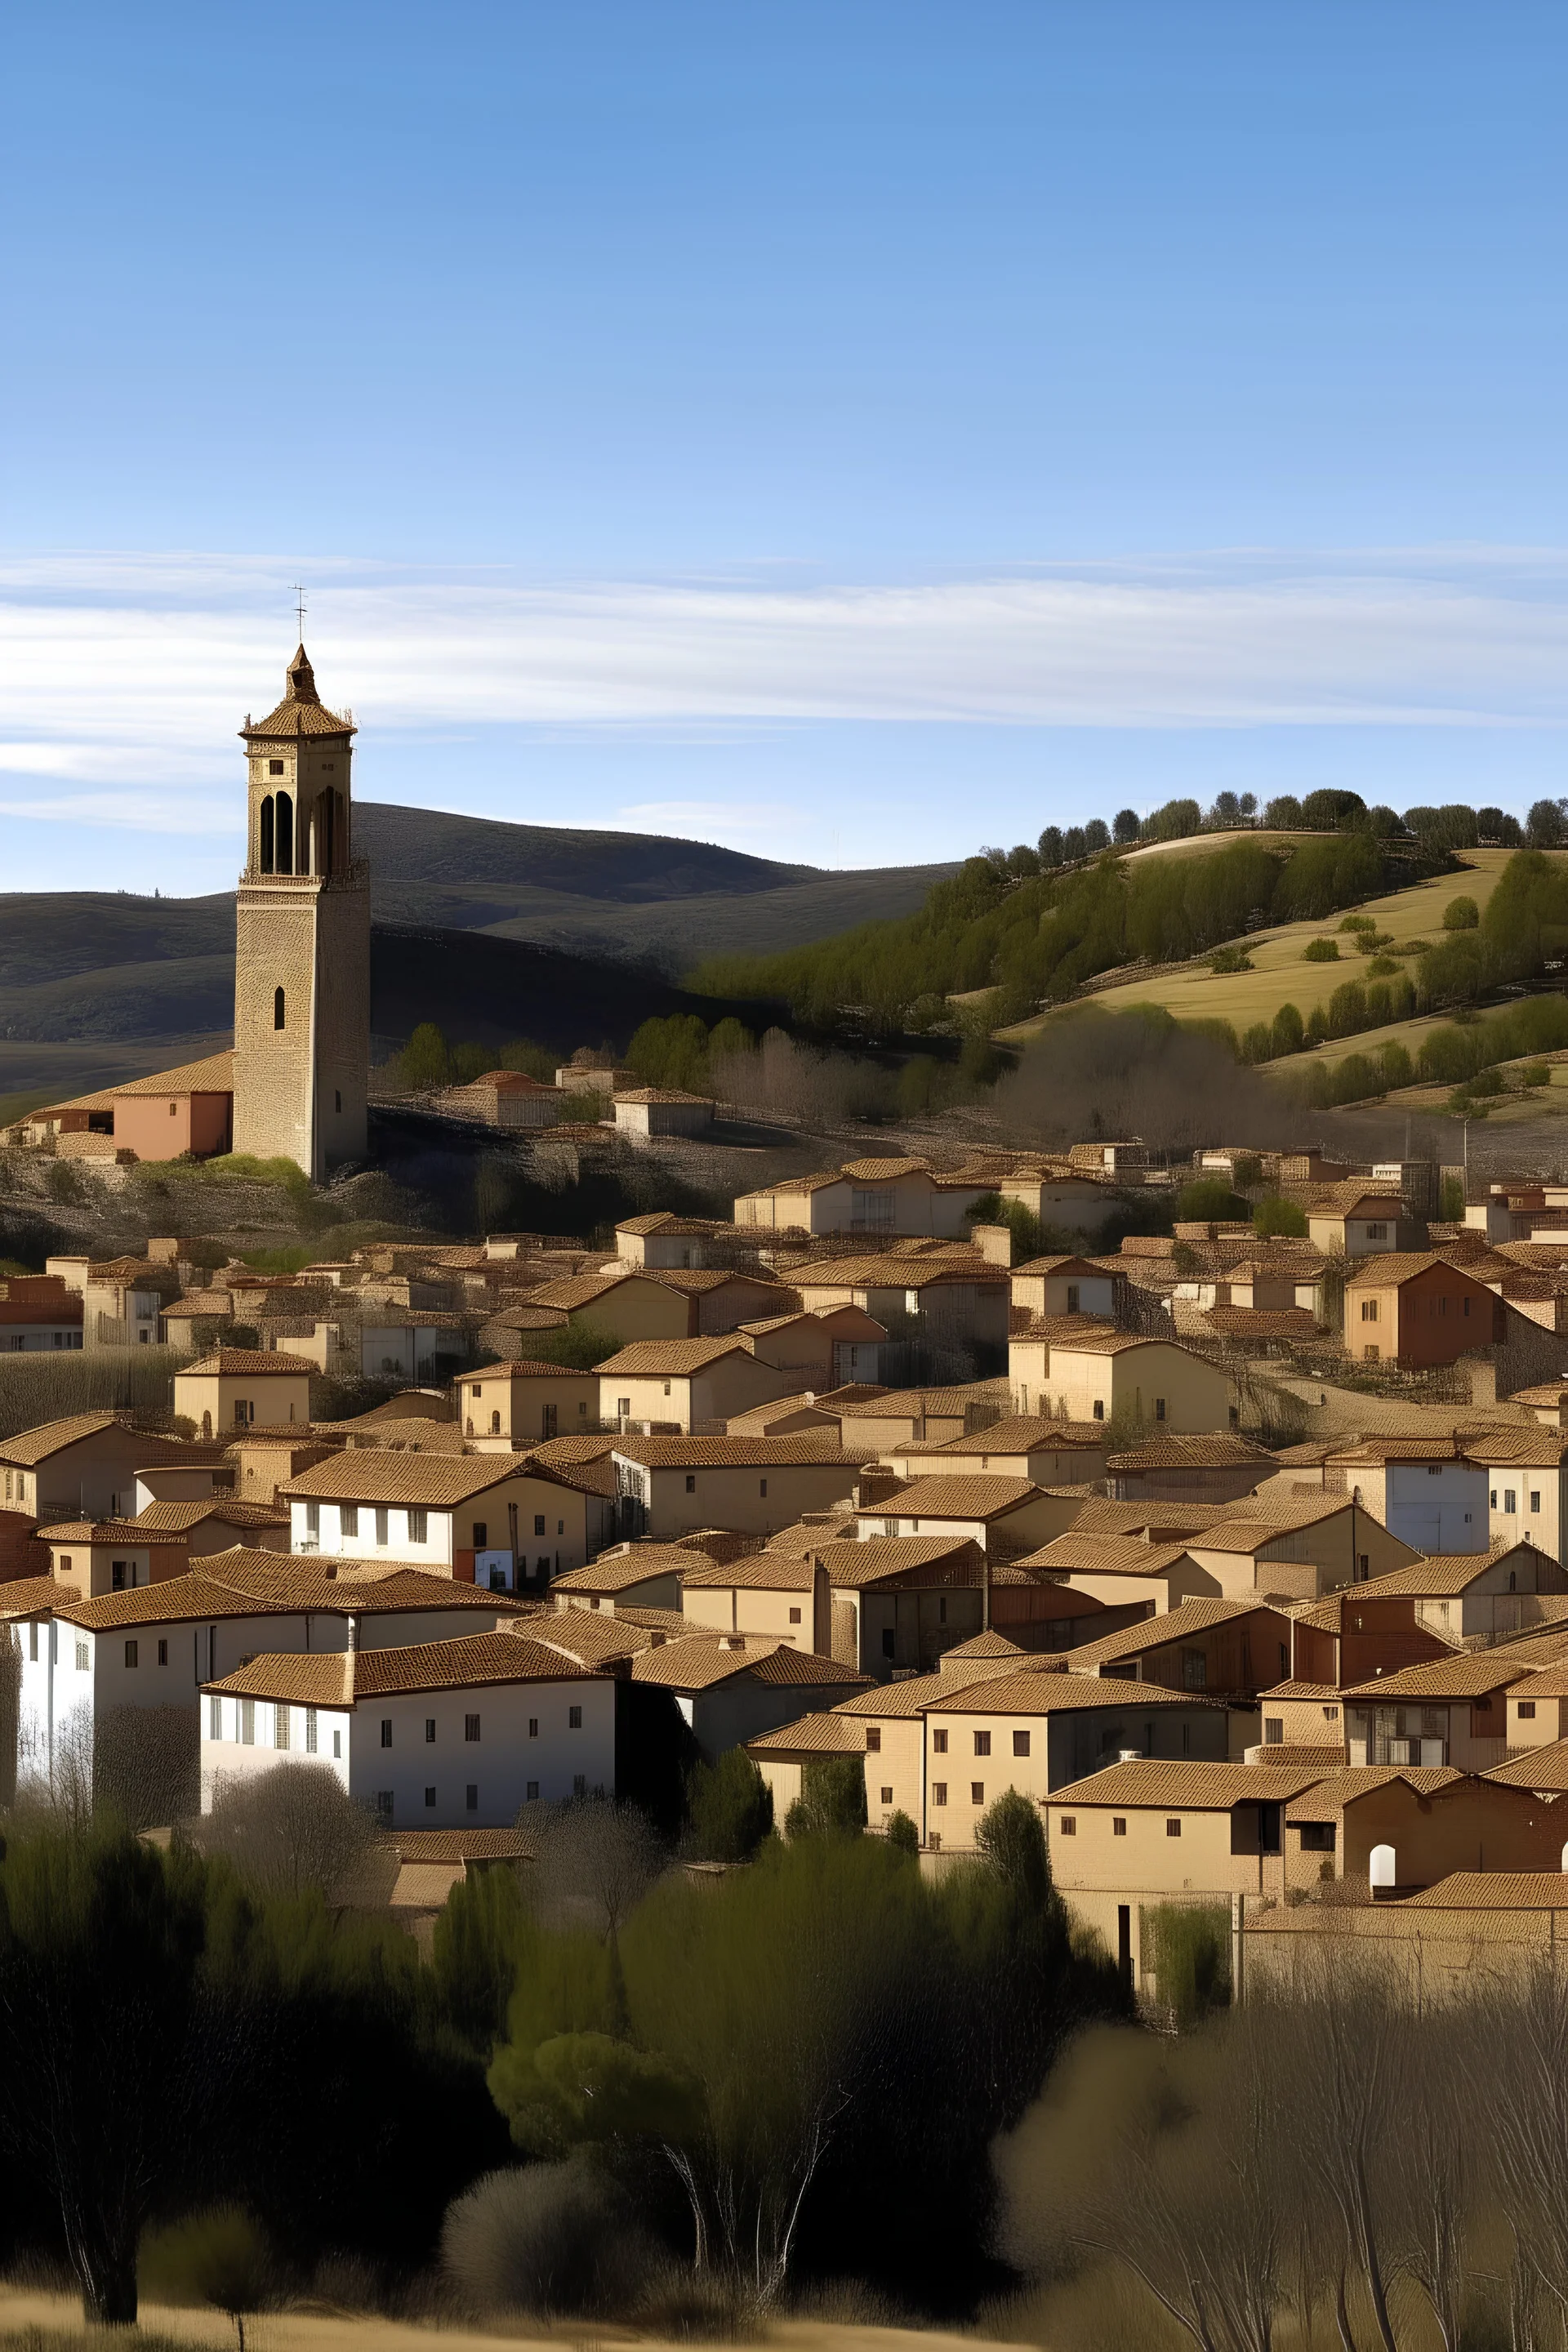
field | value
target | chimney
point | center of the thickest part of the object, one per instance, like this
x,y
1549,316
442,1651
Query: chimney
x,y
874,1484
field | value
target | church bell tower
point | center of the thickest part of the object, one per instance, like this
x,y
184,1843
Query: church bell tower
x,y
301,976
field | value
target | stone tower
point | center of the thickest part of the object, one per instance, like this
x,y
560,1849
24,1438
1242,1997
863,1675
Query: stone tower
x,y
301,975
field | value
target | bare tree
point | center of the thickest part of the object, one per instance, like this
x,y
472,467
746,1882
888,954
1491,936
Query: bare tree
x,y
295,1828
1515,2067
597,1860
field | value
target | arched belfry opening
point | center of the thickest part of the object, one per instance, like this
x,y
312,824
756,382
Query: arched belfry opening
x,y
264,843
284,829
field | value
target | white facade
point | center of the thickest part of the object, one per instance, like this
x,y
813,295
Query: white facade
x,y
1433,1506
469,1757
37,1339
550,1540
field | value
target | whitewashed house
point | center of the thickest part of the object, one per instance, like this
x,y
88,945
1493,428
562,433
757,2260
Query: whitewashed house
x,y
440,1735
494,1519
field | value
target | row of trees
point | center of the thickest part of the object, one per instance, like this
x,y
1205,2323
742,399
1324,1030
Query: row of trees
x,y
1339,2162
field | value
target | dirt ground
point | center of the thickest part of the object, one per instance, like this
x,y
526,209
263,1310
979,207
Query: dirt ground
x,y
314,2331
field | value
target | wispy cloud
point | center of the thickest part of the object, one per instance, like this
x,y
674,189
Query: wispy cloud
x,y
120,673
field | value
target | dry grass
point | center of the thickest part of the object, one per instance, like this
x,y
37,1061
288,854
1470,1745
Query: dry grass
x,y
1280,976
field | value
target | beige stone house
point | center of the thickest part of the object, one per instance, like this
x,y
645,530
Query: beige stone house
x,y
1038,1731
831,1346
1066,1285
645,1112
1045,1453
1526,1479
691,1385
1298,1551
1081,1371
505,1099
1427,1491
85,1466
948,1299
1355,1219
631,1576
893,1605
670,1487
1227,1649
628,1305
1450,1711
235,1388
1537,1713
722,1298
727,1687
1214,1466
1005,1516
886,1197
489,1519
523,1401
95,1556
1125,1571
662,1241
882,1418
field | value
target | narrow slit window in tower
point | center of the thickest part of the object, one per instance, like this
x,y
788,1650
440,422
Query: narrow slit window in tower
x,y
277,1020
285,828
265,860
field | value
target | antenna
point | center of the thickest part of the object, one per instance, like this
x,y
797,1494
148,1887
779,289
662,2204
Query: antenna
x,y
300,608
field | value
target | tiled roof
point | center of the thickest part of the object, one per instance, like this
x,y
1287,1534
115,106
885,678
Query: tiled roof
x,y
1196,1786
1344,1198
814,1735
621,1571
592,1639
184,1516
1339,1789
33,1596
1088,1338
971,1495
199,1302
1493,1890
1208,1452
471,1661
885,1171
248,1361
1150,1520
1016,1433
659,1095
1390,1267
1290,1689
1194,1617
461,1845
1375,1449
374,1475
984,1645
805,1447
31,1446
891,1273
671,1359
1544,1768
849,1565
300,712
1468,1676
128,1532
245,1583
1063,1693
704,1659
524,1368
214,1074
1437,1576
1104,1556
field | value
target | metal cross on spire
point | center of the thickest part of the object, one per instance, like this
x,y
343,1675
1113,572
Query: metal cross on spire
x,y
300,608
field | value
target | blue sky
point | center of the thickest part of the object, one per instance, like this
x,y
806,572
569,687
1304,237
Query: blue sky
x,y
850,431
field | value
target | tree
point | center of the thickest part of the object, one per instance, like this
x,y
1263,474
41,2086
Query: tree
x,y
832,1800
596,1860
1208,1200
477,1935
1278,1218
729,1808
100,2091
297,1827
1283,812
221,2256
1544,827
425,1062
1249,805
1074,844
1051,847
1124,826
1097,835
1461,915
1287,1030
1010,1839
902,1834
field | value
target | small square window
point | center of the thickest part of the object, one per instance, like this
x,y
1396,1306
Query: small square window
x,y
887,1796
1527,1710
795,1616
763,1489
939,1743
1068,1825
690,1482
539,1523
573,1718
939,1793
348,1519
531,1792
1020,1743
131,1654
1100,1408
1119,1825
874,1737
983,1743
977,1792
274,767
418,1523
1173,1828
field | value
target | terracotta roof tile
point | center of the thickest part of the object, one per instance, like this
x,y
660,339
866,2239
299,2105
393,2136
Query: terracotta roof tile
x,y
1063,1693
1213,1787
374,1475
471,1662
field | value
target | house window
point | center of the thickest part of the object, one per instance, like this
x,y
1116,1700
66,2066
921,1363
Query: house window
x,y
533,1727
471,1797
384,1805
215,1718
310,1731
1068,1825
539,1523
1273,1731
1173,1827
1119,1825
280,1725
274,767
1020,1743
983,1743
939,1743
1159,1408
623,1410
429,1731
247,1722
1369,1310
482,1535
1100,1408
795,1616
1509,1498
1527,1710
1330,1714
887,1641
887,1796
977,1792
763,1489
381,1523
573,1718
312,1519
430,1797
387,1731
82,1659
939,1793
1535,1498
130,1655
279,1019
418,1523
531,1792
1317,1837
471,1727
348,1519
1194,1670
33,1644
337,1744
690,1483
873,1738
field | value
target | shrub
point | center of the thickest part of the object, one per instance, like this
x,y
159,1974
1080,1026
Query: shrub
x,y
555,2239
729,1808
1278,1219
1453,1203
1287,1030
832,1800
1358,923
1191,1957
1461,915
1257,1043
1356,1079
1398,1070
1347,1009
1230,959
221,2258
1208,1200
1382,967
902,1834
1535,1074
1320,951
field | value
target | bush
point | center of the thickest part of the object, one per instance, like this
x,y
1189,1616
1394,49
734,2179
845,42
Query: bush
x,y
1320,951
1358,923
1535,1074
576,1346
1191,1947
557,2239
221,2258
1207,1201
729,1808
1287,1030
902,1834
1382,967
1278,1219
1461,915
1230,959
1257,1043
832,1800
